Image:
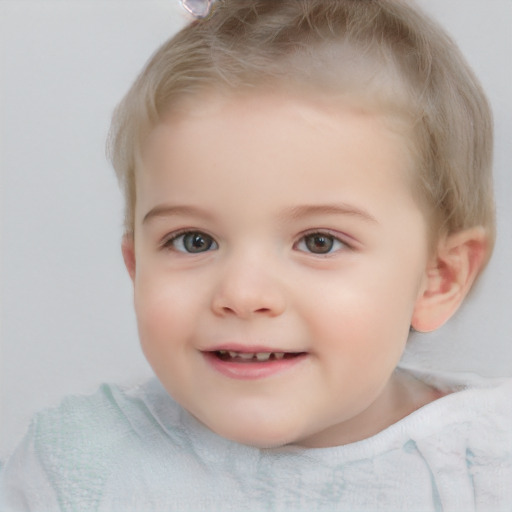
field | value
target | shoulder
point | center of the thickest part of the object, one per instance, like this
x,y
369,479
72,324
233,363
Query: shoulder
x,y
103,422
479,407
465,440
73,450
483,416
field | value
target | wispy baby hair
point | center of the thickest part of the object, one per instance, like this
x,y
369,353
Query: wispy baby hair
x,y
386,54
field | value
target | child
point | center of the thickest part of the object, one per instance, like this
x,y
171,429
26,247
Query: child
x,y
305,182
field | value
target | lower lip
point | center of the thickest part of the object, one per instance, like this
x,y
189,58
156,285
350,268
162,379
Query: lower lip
x,y
250,370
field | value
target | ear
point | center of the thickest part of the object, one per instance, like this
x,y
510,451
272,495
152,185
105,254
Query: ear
x,y
449,276
128,249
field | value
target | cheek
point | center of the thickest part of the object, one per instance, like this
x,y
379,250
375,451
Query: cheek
x,y
165,308
363,310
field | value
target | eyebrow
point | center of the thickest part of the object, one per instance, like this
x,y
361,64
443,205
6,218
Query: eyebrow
x,y
164,210
295,213
298,212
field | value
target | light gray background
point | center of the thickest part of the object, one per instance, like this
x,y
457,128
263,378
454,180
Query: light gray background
x,y
66,320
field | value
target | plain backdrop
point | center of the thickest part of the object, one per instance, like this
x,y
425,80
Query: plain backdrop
x,y
66,315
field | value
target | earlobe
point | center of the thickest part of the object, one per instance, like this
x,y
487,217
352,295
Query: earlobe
x,y
449,276
128,249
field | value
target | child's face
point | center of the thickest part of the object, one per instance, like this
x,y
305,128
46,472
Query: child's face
x,y
268,224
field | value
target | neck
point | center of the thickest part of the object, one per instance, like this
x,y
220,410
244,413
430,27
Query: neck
x,y
402,395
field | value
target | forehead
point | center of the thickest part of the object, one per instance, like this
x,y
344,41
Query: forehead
x,y
289,118
274,149
319,117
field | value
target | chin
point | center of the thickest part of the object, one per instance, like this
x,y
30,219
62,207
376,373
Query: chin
x,y
258,437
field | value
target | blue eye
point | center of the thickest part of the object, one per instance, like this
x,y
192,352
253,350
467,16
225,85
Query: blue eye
x,y
320,243
192,242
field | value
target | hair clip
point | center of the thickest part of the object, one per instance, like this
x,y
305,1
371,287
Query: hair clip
x,y
198,8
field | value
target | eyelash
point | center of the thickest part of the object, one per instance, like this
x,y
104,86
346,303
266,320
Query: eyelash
x,y
170,242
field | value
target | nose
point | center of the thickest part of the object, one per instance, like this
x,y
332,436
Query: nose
x,y
249,288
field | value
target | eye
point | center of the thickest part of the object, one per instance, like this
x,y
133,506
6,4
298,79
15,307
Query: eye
x,y
192,242
320,243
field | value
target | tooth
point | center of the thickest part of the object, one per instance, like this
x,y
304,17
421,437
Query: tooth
x,y
245,355
232,354
263,356
222,352
279,355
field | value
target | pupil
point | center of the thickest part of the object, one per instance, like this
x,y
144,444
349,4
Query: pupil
x,y
196,242
319,244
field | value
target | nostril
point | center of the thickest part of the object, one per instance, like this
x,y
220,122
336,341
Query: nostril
x,y
244,310
244,299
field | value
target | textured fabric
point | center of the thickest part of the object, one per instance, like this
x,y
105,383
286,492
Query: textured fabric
x,y
119,451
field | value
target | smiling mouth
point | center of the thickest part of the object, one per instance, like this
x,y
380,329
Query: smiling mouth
x,y
254,357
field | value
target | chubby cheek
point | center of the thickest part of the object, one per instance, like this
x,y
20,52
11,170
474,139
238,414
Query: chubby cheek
x,y
165,313
361,321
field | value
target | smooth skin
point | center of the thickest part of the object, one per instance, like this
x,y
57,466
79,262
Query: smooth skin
x,y
289,224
